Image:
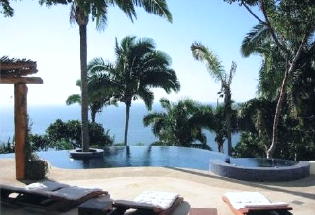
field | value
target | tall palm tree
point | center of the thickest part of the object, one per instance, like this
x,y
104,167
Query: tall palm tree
x,y
138,67
81,11
180,124
216,70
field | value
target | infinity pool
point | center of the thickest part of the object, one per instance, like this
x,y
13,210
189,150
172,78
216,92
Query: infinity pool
x,y
166,156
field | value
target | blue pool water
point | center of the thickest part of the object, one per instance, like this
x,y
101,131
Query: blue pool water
x,y
261,162
166,156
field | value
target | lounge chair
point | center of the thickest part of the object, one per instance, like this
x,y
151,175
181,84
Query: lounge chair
x,y
149,202
50,195
254,203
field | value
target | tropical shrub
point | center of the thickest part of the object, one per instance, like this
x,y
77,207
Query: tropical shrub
x,y
180,124
7,147
36,169
61,135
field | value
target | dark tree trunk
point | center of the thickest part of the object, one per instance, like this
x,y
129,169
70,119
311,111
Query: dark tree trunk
x,y
228,111
84,90
128,104
93,115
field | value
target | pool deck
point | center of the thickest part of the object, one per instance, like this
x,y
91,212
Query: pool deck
x,y
199,188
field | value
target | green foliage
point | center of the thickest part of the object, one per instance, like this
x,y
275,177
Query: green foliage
x,y
98,9
5,8
62,135
218,125
99,96
215,68
36,169
7,147
250,146
296,139
38,142
284,38
180,125
138,68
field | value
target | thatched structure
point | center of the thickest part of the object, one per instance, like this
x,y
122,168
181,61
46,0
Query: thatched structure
x,y
14,71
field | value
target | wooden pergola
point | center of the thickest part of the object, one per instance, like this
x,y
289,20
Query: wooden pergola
x,y
14,71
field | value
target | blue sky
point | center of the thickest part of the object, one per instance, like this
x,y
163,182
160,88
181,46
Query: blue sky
x,y
46,36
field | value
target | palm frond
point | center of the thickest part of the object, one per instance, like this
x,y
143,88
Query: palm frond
x,y
203,54
157,7
147,96
259,35
75,98
232,72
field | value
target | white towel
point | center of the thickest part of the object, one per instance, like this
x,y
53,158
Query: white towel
x,y
46,186
157,199
251,200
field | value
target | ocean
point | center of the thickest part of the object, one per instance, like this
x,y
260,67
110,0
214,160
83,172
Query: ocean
x,y
112,118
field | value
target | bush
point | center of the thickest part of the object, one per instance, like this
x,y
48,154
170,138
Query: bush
x,y
36,169
38,142
65,135
250,146
8,147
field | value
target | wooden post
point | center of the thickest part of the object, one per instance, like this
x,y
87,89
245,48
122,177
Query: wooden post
x,y
20,120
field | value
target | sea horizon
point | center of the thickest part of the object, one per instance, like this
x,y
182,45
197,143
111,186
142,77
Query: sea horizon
x,y
112,118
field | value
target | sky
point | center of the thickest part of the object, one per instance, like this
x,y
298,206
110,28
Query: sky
x,y
46,36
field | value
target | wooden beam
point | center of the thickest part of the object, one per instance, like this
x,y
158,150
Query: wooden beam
x,y
20,120
21,80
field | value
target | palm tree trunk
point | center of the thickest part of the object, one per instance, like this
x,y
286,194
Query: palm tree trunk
x,y
84,90
276,119
228,110
128,104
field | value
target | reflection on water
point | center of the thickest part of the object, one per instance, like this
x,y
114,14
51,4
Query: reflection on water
x,y
170,156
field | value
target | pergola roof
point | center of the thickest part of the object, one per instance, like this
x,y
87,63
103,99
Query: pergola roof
x,y
16,67
14,70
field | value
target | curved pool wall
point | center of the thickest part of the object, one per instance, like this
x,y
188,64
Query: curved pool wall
x,y
278,173
121,156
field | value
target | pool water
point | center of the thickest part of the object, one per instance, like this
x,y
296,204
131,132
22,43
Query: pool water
x,y
261,162
166,156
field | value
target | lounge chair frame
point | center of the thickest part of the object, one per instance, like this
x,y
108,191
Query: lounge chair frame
x,y
41,199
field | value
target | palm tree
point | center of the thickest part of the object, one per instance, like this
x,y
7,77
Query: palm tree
x,y
98,97
216,70
138,67
180,124
81,10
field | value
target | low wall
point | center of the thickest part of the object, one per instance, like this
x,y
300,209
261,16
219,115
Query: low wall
x,y
312,167
247,173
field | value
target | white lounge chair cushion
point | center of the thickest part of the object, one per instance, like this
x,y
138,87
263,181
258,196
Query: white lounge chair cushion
x,y
74,193
157,199
251,200
46,186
